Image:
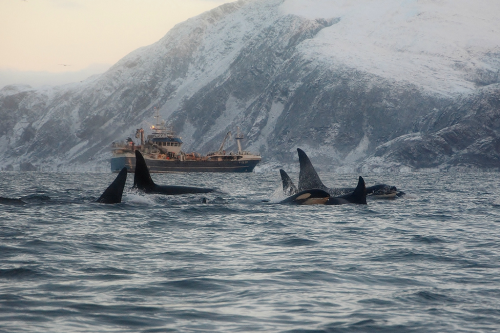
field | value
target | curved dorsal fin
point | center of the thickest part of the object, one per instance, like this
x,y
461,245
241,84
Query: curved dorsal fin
x,y
113,194
288,186
308,177
359,194
142,178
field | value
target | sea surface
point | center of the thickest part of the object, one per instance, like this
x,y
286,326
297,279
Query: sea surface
x,y
426,262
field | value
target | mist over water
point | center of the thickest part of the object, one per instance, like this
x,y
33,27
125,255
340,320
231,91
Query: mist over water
x,y
427,262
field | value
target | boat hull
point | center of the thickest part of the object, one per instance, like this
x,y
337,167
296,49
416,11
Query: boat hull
x,y
161,166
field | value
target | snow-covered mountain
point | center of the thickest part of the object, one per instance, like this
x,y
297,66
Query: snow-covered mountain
x,y
359,85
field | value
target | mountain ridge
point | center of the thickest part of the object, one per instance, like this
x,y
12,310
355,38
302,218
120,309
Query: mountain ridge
x,y
283,71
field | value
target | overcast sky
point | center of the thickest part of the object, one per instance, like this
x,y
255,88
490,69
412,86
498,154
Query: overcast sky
x,y
60,41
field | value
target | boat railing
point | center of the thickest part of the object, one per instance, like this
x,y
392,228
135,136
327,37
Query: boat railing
x,y
249,153
120,145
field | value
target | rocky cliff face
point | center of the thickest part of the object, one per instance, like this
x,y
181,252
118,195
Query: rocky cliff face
x,y
359,86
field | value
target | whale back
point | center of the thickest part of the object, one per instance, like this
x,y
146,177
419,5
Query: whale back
x,y
308,197
144,182
358,196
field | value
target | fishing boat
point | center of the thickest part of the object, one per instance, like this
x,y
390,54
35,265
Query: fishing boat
x,y
162,151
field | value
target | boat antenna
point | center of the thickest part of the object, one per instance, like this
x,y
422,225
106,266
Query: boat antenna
x,y
157,115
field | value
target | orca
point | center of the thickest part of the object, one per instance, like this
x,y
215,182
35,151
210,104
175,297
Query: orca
x,y
144,182
113,194
383,191
309,178
308,197
358,196
288,186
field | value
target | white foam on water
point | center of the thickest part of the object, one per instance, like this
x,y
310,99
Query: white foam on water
x,y
277,195
138,199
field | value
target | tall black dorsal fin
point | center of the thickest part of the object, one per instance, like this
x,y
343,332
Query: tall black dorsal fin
x,y
359,194
288,186
142,178
308,177
113,194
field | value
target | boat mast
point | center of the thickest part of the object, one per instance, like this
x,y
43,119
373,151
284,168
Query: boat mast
x,y
239,137
157,115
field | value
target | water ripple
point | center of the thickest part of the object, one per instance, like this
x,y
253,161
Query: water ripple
x,y
425,263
